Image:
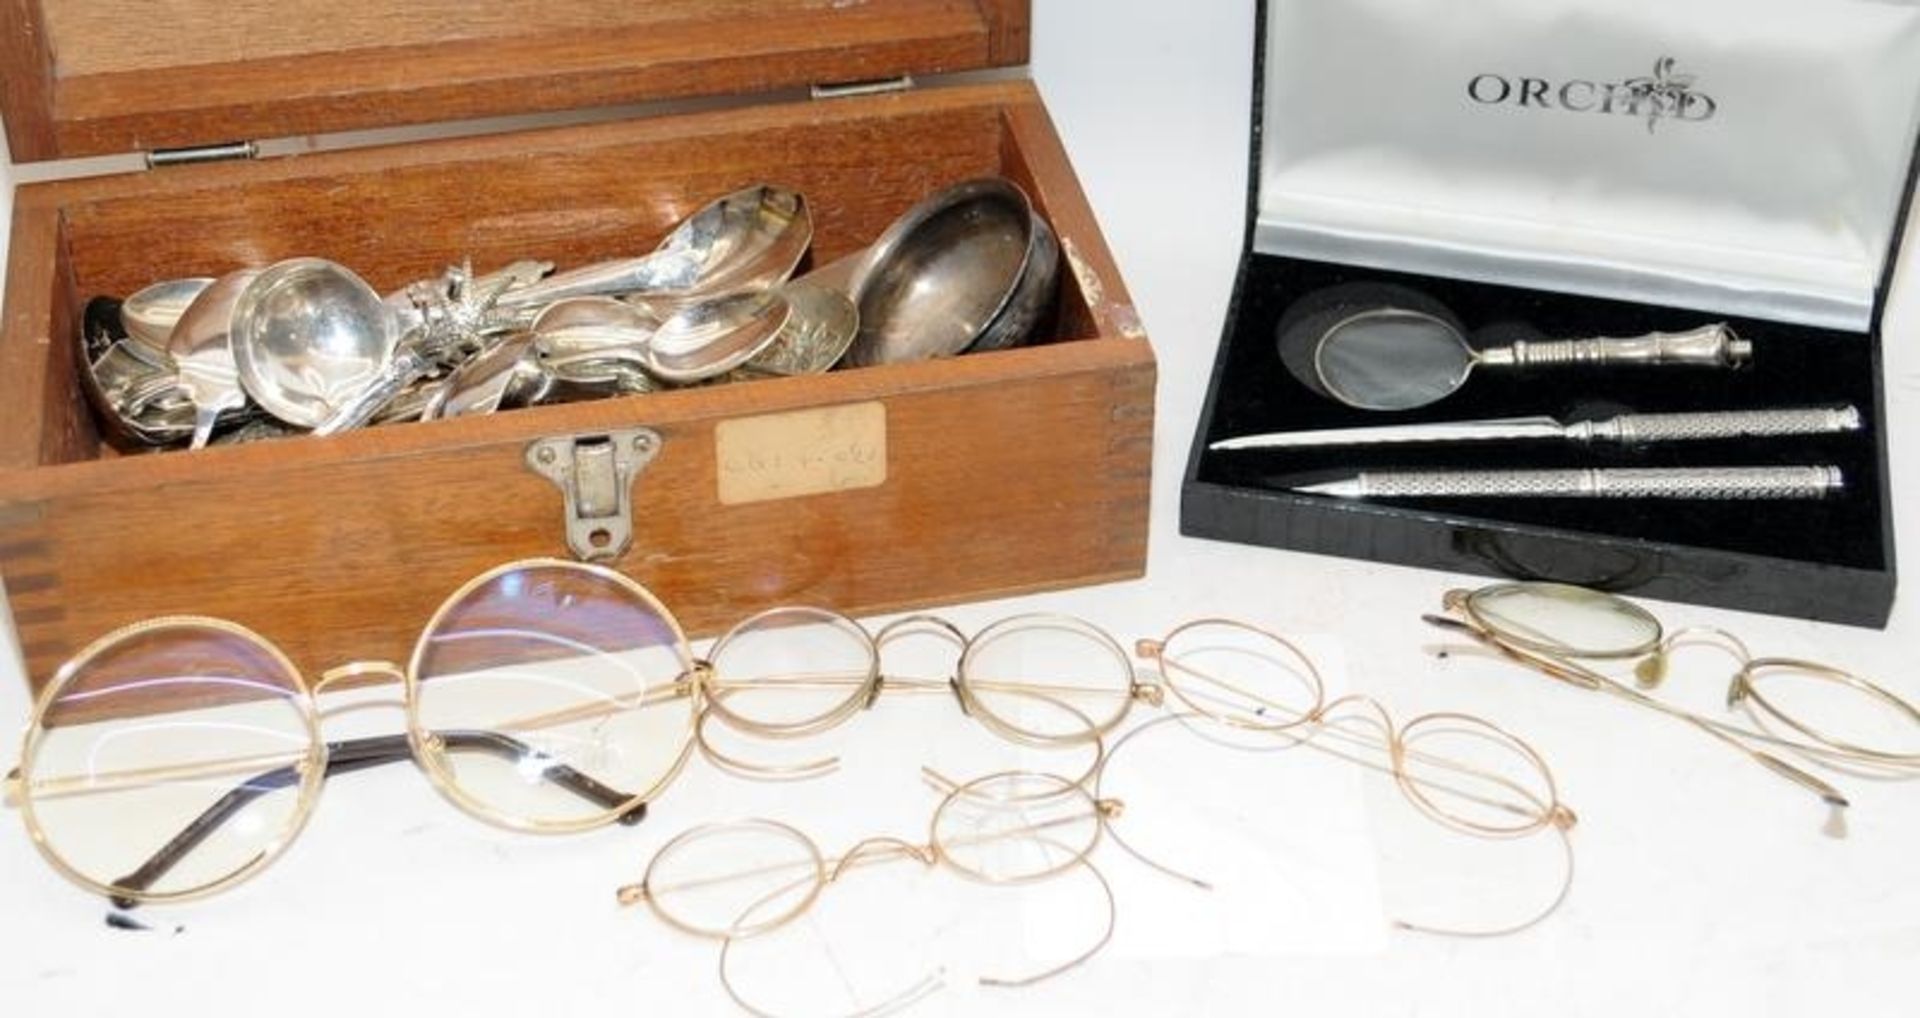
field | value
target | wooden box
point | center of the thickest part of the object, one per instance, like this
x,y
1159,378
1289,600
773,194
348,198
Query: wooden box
x,y
981,475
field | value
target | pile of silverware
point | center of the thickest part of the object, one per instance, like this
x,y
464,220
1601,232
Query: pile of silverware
x,y
305,345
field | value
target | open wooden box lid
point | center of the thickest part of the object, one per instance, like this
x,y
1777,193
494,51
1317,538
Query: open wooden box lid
x,y
97,77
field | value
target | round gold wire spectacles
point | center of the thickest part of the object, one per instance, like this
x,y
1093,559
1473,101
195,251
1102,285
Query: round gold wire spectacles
x,y
741,879
1040,680
1813,710
1459,770
175,757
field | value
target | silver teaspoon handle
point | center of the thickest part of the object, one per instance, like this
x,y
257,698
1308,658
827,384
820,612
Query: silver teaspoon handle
x,y
405,369
1797,482
625,275
1686,427
1711,346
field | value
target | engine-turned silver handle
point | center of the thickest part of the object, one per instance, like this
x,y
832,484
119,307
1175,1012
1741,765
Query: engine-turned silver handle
x,y
1711,346
1796,482
1686,427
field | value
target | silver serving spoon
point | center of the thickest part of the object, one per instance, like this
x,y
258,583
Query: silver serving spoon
x,y
310,337
151,312
202,349
940,276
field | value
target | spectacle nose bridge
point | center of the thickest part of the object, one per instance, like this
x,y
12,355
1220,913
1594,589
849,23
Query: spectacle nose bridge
x,y
879,847
922,621
908,625
384,671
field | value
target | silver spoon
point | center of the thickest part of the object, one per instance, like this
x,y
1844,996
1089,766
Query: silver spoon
x,y
1031,296
710,338
309,337
582,327
750,239
202,348
822,326
504,376
149,315
592,345
940,275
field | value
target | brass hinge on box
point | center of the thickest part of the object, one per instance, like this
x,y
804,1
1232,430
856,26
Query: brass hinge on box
x,y
202,154
872,86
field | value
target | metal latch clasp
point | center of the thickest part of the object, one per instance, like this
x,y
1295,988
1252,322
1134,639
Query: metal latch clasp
x,y
595,475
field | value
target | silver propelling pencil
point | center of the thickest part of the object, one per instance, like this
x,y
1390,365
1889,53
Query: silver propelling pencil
x,y
1626,482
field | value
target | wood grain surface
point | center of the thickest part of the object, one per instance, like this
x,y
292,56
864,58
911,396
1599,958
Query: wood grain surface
x,y
1008,472
139,78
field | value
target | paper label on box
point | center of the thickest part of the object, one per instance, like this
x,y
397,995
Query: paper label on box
x,y
806,452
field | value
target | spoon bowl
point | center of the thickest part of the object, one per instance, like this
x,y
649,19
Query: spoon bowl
x,y
941,274
1032,294
584,327
821,327
505,376
151,312
309,336
202,348
715,336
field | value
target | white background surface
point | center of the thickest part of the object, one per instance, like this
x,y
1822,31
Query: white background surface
x,y
1705,885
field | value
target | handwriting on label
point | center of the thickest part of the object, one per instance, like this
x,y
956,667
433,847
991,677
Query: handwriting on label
x,y
806,452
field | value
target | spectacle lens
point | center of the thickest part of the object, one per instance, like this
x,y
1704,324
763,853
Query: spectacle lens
x,y
1240,675
1557,618
182,728
1070,663
546,692
735,879
1466,773
792,671
1834,707
1015,827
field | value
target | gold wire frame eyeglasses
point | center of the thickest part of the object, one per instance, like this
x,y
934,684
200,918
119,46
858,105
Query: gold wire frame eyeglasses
x,y
1041,680
1503,789
175,757
741,879
1553,628
796,671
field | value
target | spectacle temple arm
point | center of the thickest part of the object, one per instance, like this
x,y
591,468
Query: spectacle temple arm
x,y
1565,671
354,755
